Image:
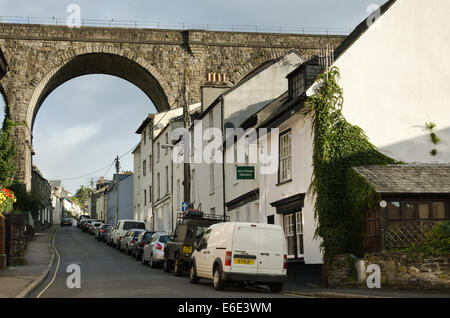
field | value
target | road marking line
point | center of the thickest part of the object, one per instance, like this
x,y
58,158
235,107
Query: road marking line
x,y
57,265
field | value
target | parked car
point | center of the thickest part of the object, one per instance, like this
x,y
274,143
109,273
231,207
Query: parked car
x,y
109,240
82,217
122,227
142,240
153,252
93,226
86,223
102,232
128,241
96,229
66,221
243,252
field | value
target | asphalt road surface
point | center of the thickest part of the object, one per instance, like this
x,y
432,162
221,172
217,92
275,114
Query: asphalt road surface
x,y
105,272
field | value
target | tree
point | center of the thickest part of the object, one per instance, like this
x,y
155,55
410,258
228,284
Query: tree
x,y
82,195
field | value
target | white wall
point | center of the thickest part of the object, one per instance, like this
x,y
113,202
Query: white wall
x,y
301,177
396,77
208,193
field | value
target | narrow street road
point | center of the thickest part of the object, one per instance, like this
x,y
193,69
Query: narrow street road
x,y
105,272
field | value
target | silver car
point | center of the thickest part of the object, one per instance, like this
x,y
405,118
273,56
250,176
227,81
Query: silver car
x,y
93,227
154,250
127,243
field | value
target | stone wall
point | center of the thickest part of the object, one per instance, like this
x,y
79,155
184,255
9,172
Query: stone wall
x,y
419,272
398,270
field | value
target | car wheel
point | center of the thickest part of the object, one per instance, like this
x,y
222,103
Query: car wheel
x,y
167,265
152,262
276,287
218,282
193,274
177,270
128,250
143,261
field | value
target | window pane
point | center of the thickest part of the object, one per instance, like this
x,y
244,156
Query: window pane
x,y
424,211
408,211
393,209
438,210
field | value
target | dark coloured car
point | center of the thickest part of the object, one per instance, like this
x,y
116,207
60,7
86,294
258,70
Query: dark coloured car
x,y
138,247
190,228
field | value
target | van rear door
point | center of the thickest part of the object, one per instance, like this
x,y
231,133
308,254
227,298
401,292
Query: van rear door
x,y
271,251
245,249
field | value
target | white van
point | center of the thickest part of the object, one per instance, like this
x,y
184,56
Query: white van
x,y
237,251
122,228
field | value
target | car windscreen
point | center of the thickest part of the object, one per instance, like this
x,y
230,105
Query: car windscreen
x,y
133,225
136,234
164,238
97,224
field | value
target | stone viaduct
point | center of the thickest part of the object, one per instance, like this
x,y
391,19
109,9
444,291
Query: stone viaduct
x,y
159,62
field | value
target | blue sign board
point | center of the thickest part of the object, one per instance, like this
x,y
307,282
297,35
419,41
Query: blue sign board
x,y
184,206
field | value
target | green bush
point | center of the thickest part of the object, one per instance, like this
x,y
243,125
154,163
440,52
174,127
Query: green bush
x,y
436,242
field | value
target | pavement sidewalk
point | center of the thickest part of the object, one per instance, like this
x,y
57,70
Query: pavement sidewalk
x,y
308,289
16,279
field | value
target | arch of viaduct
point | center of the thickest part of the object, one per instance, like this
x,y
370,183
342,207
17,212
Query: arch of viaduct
x,y
159,62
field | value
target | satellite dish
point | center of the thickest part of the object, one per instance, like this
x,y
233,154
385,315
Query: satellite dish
x,y
383,204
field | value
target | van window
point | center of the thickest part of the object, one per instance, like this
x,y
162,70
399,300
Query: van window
x,y
246,238
271,240
133,225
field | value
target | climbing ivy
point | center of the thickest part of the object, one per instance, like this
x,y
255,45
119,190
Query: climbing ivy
x,y
7,152
342,196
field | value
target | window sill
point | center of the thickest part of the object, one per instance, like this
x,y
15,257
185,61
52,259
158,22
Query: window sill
x,y
284,182
211,193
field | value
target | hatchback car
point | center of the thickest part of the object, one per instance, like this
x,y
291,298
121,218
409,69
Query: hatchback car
x,y
142,240
93,226
102,232
130,238
154,250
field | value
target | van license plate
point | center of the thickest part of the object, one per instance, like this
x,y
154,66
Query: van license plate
x,y
244,261
187,249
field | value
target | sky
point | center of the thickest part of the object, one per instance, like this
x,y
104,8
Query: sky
x,y
84,123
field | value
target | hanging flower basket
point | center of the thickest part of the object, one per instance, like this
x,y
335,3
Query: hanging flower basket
x,y
7,199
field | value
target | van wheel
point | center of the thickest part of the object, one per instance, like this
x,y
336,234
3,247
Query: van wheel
x,y
167,265
177,270
218,282
192,274
276,287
